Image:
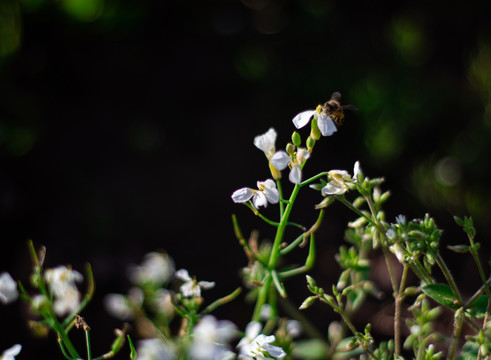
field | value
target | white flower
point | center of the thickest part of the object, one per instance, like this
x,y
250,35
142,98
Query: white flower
x,y
278,160
68,302
154,349
61,281
211,337
267,192
191,287
301,155
123,307
162,302
293,328
60,278
340,180
156,269
8,288
245,344
324,122
258,346
10,353
401,219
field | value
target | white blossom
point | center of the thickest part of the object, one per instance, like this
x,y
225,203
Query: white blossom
x,y
156,269
61,281
123,307
162,302
68,302
8,288
267,192
154,349
278,160
191,287
293,328
10,353
60,278
211,338
258,346
324,122
340,180
301,155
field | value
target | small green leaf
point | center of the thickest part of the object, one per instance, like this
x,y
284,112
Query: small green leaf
x,y
478,307
442,294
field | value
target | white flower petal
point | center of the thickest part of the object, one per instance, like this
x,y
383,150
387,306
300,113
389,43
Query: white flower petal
x,y
253,329
280,160
274,351
356,170
8,288
183,274
272,194
206,284
326,125
10,353
259,199
295,174
302,119
333,188
266,142
242,195
302,154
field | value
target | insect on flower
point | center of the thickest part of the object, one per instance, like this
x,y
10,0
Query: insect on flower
x,y
335,110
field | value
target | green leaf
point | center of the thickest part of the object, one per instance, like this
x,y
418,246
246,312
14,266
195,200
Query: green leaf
x,y
478,307
442,294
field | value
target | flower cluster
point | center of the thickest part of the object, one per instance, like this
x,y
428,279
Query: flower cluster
x,y
61,281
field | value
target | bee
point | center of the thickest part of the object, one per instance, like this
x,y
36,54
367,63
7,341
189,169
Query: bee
x,y
335,110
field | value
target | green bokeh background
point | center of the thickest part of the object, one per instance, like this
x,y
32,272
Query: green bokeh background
x,y
126,125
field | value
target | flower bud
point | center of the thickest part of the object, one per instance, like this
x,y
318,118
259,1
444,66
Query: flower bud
x,y
315,133
310,143
311,281
307,303
290,149
296,139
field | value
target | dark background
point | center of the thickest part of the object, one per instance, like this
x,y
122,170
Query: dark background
x,y
126,125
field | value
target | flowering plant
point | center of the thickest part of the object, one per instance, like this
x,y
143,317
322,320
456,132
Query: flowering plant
x,y
173,320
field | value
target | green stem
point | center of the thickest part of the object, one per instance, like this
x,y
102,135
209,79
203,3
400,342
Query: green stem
x,y
268,221
456,333
446,272
302,237
275,251
280,191
354,209
87,341
223,300
318,176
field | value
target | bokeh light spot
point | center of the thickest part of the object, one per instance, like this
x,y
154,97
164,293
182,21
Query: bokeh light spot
x,y
83,10
410,40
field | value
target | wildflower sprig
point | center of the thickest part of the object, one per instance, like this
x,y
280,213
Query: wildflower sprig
x,y
58,302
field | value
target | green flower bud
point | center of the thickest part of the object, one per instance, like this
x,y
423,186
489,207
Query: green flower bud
x,y
315,133
119,341
296,139
310,143
290,149
307,302
311,281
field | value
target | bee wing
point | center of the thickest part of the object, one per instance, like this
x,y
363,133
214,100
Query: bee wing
x,y
350,107
336,96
